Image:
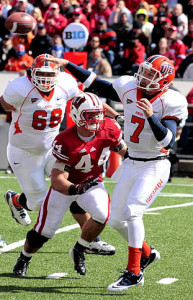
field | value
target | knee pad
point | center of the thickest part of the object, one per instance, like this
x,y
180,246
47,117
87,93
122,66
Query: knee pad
x,y
76,209
35,240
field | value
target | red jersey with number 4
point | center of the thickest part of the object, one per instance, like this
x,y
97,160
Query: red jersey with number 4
x,y
86,157
37,117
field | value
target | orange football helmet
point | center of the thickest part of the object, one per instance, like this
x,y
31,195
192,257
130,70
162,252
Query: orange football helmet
x,y
44,73
155,74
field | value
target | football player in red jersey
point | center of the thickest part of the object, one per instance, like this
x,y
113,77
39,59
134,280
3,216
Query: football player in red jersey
x,y
152,112
38,103
80,153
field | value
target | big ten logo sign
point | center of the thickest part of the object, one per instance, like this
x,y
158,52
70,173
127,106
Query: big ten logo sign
x,y
75,35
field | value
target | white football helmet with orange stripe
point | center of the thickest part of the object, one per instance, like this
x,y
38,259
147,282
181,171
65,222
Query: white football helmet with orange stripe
x,y
44,73
155,74
87,111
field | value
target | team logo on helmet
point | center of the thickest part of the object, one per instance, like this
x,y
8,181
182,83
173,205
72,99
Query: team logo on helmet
x,y
166,68
78,101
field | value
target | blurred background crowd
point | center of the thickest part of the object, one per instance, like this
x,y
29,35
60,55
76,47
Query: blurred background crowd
x,y
121,35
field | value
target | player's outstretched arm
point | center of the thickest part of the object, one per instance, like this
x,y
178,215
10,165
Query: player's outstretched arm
x,y
90,80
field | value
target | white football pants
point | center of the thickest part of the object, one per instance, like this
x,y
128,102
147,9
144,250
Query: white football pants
x,y
95,201
30,170
137,188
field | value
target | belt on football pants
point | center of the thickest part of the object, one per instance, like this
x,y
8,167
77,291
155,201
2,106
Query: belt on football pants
x,y
149,159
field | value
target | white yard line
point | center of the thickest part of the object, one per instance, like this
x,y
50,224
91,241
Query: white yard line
x,y
170,206
56,275
174,195
167,280
21,243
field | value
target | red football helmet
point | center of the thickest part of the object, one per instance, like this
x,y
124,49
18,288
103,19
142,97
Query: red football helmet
x,y
155,74
44,73
87,111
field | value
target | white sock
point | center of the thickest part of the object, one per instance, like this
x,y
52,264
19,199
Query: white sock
x,y
26,253
83,242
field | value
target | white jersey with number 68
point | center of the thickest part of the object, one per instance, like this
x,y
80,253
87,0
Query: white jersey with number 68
x,y
37,117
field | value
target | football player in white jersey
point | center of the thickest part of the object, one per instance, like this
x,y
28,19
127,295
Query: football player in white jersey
x,y
152,113
38,103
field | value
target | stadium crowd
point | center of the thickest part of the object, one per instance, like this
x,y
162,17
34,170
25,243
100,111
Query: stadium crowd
x,y
122,34
125,32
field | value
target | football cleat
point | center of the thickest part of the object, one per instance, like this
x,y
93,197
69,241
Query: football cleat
x,y
21,266
127,280
78,259
18,213
100,248
2,242
146,261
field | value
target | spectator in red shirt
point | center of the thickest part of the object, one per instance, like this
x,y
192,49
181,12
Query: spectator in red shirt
x,y
79,17
102,10
176,45
134,55
54,21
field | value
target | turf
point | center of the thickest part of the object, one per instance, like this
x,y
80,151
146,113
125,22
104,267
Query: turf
x,y
170,230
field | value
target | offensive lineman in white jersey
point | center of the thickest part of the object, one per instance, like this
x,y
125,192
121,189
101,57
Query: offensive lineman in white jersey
x,y
152,113
38,104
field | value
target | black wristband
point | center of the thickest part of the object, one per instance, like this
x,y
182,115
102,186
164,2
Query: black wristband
x,y
72,190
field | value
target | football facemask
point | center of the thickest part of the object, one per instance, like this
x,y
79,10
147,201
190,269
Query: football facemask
x,y
44,73
155,74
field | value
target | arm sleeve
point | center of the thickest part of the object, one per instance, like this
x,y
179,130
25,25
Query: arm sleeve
x,y
164,131
103,87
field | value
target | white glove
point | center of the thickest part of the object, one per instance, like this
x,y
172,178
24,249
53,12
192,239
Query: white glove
x,y
120,119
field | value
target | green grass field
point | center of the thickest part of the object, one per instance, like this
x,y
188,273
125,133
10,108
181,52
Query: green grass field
x,y
169,227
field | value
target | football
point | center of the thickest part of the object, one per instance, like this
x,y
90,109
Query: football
x,y
20,23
